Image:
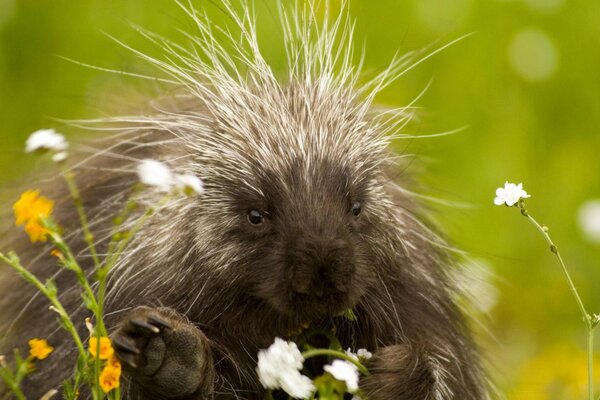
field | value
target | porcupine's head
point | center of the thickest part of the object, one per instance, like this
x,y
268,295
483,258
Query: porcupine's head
x,y
294,206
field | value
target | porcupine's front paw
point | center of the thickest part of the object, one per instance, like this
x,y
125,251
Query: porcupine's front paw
x,y
404,372
163,355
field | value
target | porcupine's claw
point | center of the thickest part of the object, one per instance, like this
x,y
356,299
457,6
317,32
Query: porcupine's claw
x,y
162,353
144,326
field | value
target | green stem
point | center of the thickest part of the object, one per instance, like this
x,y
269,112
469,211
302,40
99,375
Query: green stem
x,y
590,349
334,353
14,262
88,236
72,264
12,385
587,318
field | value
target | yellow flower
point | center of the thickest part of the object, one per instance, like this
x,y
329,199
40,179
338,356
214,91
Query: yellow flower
x,y
39,348
110,375
29,209
106,349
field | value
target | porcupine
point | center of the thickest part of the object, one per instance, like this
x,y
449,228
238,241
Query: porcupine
x,y
303,216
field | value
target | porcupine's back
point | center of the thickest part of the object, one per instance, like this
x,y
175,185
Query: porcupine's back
x,y
314,128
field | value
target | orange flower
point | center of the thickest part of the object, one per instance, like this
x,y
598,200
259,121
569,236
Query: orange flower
x,y
110,375
39,348
106,349
29,209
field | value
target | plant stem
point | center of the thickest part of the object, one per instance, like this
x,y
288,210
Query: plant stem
x,y
587,318
14,262
7,377
87,234
590,349
334,353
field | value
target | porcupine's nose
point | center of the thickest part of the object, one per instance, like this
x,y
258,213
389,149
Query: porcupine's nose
x,y
321,267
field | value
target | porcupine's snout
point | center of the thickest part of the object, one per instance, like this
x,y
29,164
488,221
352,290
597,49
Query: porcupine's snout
x,y
320,267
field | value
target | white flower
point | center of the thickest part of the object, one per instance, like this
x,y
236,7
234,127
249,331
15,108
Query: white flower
x,y
189,184
46,139
279,367
510,194
154,173
589,220
344,371
360,354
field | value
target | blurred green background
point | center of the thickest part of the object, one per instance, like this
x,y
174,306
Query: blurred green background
x,y
526,85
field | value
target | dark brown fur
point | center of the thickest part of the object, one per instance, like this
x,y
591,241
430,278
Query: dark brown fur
x,y
225,288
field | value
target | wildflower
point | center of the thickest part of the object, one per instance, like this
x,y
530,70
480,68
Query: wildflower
x,y
344,371
363,354
106,349
39,348
278,367
29,210
510,194
32,206
109,377
189,184
156,174
46,139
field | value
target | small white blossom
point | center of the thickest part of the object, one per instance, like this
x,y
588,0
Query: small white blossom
x,y
344,371
510,194
154,173
279,367
189,184
46,139
360,354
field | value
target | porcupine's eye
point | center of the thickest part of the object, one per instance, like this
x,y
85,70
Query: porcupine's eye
x,y
356,208
255,217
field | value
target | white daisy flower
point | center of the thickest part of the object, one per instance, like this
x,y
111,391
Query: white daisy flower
x,y
156,174
344,371
189,184
279,368
46,139
510,194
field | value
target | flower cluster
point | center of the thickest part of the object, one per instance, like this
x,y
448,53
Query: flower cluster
x,y
279,368
111,372
29,210
157,174
360,355
510,194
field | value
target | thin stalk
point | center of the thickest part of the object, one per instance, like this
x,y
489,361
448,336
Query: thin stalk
x,y
14,262
71,263
590,349
334,353
87,234
587,318
12,384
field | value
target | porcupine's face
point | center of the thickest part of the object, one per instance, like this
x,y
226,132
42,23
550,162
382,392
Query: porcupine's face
x,y
301,216
310,257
